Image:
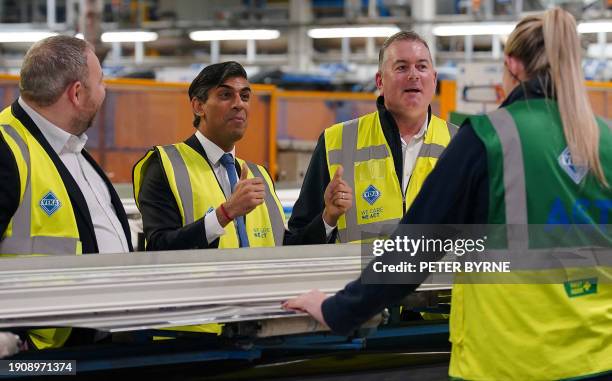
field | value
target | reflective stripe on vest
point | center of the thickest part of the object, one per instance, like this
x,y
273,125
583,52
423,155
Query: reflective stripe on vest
x,y
276,219
349,155
183,183
20,242
514,179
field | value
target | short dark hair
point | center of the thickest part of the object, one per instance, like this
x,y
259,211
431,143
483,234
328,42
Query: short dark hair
x,y
50,66
210,77
404,35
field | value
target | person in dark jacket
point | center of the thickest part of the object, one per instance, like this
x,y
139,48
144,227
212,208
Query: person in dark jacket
x,y
542,158
386,155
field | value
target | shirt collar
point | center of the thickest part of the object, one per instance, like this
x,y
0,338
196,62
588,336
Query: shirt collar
x,y
389,122
59,139
213,151
418,136
422,131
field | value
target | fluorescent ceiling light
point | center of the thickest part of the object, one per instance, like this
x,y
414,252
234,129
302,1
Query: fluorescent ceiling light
x,y
595,27
129,36
24,36
360,31
236,34
473,29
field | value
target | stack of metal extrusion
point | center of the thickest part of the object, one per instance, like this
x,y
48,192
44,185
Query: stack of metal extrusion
x,y
146,291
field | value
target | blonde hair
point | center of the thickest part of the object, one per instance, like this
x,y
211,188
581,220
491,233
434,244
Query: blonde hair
x,y
549,47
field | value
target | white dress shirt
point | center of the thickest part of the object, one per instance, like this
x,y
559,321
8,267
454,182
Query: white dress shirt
x,y
410,152
109,232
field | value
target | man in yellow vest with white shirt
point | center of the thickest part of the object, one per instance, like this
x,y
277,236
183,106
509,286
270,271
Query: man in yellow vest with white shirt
x,y
386,155
54,198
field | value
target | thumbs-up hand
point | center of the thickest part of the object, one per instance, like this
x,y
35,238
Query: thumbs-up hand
x,y
244,172
247,195
338,198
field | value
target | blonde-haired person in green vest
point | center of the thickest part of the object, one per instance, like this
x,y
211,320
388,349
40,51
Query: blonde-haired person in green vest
x,y
542,161
54,198
387,154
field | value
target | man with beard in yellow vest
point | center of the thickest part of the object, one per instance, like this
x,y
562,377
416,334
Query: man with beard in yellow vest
x,y
54,198
387,154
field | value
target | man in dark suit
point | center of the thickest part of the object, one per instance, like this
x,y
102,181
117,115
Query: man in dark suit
x,y
197,194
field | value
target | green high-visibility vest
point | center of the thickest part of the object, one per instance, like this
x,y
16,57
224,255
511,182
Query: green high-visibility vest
x,y
536,331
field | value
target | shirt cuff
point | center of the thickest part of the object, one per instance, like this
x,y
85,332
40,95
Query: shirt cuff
x,y
328,229
212,227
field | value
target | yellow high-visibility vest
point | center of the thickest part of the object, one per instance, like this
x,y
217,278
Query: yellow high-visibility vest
x,y
44,222
359,145
197,192
551,320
